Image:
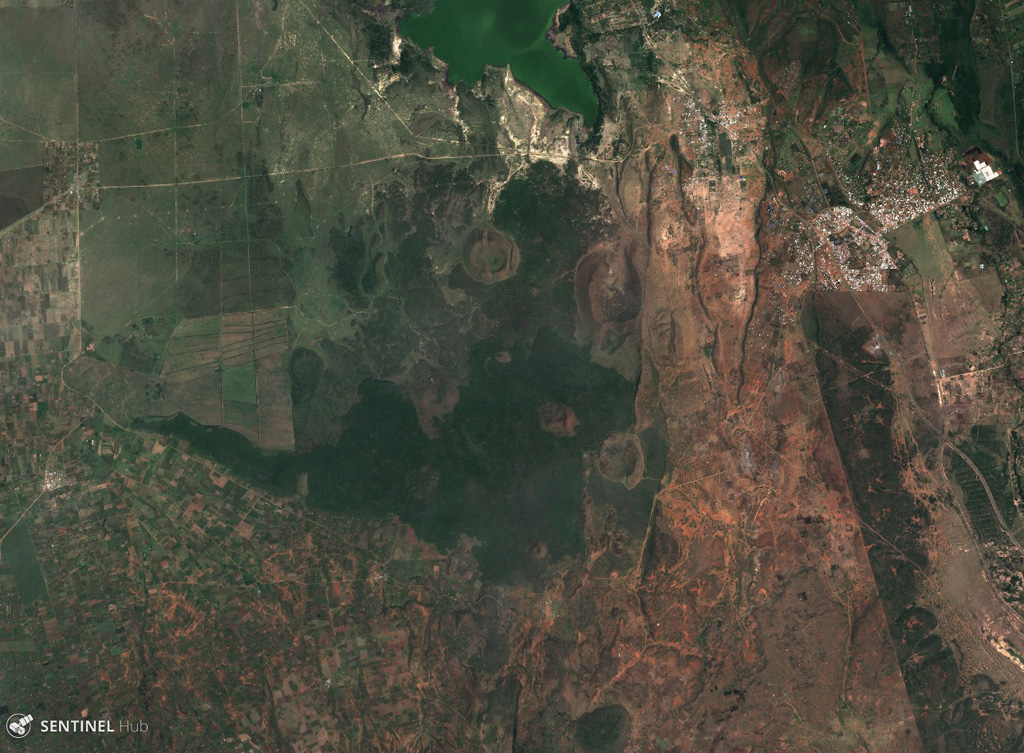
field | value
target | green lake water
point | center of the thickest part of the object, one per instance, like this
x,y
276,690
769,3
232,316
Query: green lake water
x,y
467,34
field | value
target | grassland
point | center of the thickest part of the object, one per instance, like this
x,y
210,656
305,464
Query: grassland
x,y
39,89
942,109
239,384
922,241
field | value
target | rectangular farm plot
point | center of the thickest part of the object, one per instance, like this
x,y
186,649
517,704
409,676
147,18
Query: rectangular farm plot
x,y
106,305
253,336
126,73
234,275
247,355
193,351
273,384
37,40
20,555
270,333
212,212
199,275
21,150
122,283
137,160
129,259
21,192
239,384
131,217
36,56
209,151
206,56
275,402
270,285
236,341
49,118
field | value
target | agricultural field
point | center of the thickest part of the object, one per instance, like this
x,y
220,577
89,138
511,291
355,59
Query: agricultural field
x,y
20,556
977,503
989,451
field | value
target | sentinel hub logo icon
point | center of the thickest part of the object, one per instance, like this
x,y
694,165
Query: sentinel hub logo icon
x,y
19,725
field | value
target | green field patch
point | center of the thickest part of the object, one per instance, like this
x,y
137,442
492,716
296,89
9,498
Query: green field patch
x,y
209,151
154,281
199,280
203,327
922,241
21,150
122,164
206,54
997,103
21,191
37,76
942,110
30,116
107,303
234,276
20,555
958,64
212,212
109,349
266,206
126,74
239,383
35,40
130,217
122,283
886,75
23,646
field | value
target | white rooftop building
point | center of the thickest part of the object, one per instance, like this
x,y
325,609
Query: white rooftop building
x,y
983,173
